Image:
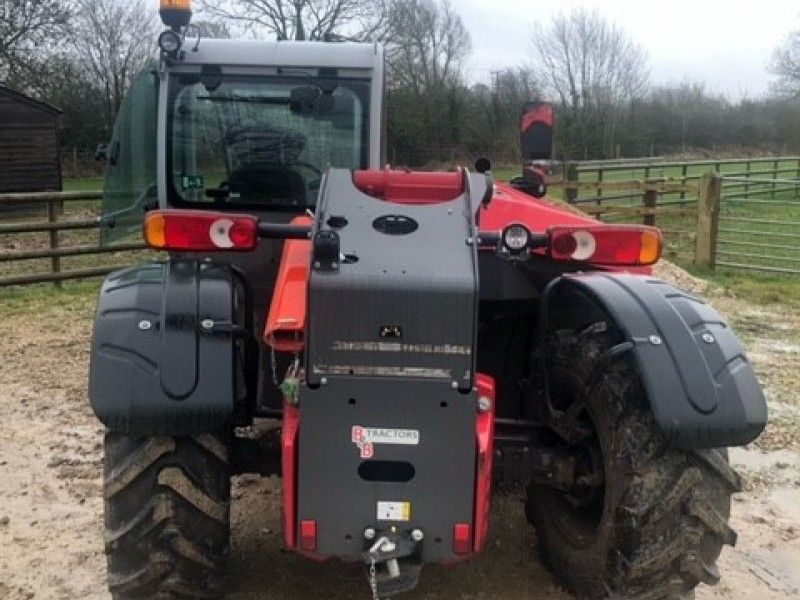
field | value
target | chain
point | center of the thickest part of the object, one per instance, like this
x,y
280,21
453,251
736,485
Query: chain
x,y
373,578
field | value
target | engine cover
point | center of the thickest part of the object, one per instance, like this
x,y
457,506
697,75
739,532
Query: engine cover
x,y
402,300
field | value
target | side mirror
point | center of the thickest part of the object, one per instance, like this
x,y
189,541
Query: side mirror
x,y
536,131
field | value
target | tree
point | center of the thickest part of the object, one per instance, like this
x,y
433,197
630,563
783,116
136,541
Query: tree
x,y
304,19
427,44
593,69
113,40
24,25
211,29
786,65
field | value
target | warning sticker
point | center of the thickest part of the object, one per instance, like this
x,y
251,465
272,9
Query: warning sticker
x,y
394,511
365,438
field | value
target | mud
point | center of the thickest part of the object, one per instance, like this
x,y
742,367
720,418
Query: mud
x,y
50,483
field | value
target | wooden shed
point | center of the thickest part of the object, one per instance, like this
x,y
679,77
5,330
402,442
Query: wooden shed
x,y
30,130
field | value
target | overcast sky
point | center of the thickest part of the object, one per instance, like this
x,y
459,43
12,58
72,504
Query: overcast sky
x,y
726,44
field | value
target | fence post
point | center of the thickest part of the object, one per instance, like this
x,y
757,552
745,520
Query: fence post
x,y
747,185
55,261
774,176
684,171
600,187
650,203
797,176
571,176
708,205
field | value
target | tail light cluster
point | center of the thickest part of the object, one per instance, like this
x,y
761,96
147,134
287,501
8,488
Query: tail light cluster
x,y
624,245
200,231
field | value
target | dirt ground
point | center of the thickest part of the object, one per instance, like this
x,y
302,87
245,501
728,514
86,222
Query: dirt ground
x,y
51,506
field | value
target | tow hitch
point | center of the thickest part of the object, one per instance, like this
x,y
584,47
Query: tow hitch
x,y
393,563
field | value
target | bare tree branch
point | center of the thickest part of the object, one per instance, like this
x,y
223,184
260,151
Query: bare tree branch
x,y
25,27
786,65
304,19
594,70
113,40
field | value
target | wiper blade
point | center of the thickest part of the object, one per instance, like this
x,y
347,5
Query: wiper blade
x,y
273,100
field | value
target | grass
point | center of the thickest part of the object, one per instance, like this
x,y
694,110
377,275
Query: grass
x,y
83,184
759,288
73,297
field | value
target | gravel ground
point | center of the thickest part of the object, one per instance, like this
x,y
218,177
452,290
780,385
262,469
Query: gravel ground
x,y
51,506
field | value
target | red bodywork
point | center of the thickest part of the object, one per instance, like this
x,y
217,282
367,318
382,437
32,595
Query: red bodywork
x,y
483,479
287,318
286,321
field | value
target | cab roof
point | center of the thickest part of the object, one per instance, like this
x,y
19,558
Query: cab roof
x,y
343,55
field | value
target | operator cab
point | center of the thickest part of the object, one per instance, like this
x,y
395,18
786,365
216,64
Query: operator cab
x,y
246,126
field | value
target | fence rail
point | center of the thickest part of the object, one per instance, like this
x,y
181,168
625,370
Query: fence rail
x,y
718,212
58,220
734,213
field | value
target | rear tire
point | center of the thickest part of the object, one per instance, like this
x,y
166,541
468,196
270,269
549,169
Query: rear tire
x,y
167,515
659,519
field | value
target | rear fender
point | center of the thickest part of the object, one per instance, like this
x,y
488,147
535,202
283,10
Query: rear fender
x,y
170,349
701,387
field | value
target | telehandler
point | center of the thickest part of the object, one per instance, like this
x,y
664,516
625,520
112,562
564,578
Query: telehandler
x,y
419,338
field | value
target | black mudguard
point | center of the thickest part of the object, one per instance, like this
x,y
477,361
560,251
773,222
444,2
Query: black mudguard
x,y
165,351
701,386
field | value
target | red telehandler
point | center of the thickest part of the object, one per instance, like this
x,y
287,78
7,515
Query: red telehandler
x,y
418,337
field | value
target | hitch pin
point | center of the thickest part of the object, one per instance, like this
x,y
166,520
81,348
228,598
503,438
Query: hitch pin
x,y
384,544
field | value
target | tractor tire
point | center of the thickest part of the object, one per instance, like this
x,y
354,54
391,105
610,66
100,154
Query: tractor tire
x,y
167,515
654,525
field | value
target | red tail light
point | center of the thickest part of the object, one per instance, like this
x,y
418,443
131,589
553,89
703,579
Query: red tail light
x,y
462,538
623,245
200,231
308,535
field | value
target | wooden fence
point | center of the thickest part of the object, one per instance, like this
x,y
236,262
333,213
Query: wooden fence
x,y
711,211
742,214
58,220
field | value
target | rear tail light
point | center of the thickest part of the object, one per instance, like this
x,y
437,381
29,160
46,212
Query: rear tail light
x,y
199,231
623,245
308,535
462,538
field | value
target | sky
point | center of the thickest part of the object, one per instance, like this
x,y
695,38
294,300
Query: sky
x,y
725,44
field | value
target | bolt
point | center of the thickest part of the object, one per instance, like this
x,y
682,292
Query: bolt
x,y
484,404
417,535
708,338
207,324
144,324
454,385
470,241
655,340
334,265
317,265
324,381
369,533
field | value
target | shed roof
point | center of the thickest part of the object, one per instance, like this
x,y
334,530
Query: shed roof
x,y
7,91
